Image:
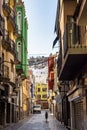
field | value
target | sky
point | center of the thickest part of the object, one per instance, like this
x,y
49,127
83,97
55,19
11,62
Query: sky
x,y
41,15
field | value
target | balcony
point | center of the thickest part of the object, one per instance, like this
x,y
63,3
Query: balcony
x,y
12,47
4,73
81,12
5,40
1,25
6,7
8,44
51,63
9,12
51,76
16,57
11,18
50,84
75,52
19,68
16,31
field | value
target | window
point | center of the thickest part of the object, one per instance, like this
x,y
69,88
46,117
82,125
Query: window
x,y
19,21
44,89
39,96
19,51
38,89
44,96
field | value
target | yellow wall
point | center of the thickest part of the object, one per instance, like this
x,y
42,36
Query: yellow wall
x,y
8,56
25,87
41,87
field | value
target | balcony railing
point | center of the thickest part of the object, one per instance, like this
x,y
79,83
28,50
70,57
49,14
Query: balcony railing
x,y
8,44
11,17
1,25
5,71
74,51
12,45
16,30
9,12
13,48
12,14
73,37
5,40
6,6
16,57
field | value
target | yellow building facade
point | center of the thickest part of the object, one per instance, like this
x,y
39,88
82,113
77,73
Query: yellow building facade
x,y
42,95
14,87
26,98
7,62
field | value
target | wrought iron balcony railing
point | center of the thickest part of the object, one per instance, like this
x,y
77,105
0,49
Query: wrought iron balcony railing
x,y
5,71
10,13
6,6
16,30
8,44
12,48
5,40
11,17
1,25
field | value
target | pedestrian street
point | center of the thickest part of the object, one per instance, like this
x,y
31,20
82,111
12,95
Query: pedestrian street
x,y
38,122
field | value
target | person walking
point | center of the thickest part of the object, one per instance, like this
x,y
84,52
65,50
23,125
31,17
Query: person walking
x,y
46,115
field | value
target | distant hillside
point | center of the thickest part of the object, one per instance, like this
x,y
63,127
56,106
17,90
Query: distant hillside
x,y
38,62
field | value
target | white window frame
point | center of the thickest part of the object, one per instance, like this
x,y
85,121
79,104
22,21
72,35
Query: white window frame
x,y
19,21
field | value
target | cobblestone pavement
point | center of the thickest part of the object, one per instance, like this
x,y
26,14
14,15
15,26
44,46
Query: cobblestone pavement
x,y
37,122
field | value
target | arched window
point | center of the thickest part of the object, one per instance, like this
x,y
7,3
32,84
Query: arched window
x,y
19,50
19,21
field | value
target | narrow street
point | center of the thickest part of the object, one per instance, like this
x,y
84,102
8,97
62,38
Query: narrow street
x,y
37,122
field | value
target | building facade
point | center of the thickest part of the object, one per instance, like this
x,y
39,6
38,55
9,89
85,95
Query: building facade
x,y
42,95
22,66
71,30
13,60
31,80
8,59
51,82
50,72
39,67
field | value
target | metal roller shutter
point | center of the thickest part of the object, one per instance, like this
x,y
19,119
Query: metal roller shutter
x,y
79,115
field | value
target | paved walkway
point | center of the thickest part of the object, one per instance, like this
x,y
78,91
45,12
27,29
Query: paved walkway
x,y
37,122
54,124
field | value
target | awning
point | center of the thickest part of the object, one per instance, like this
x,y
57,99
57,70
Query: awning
x,y
55,41
2,88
